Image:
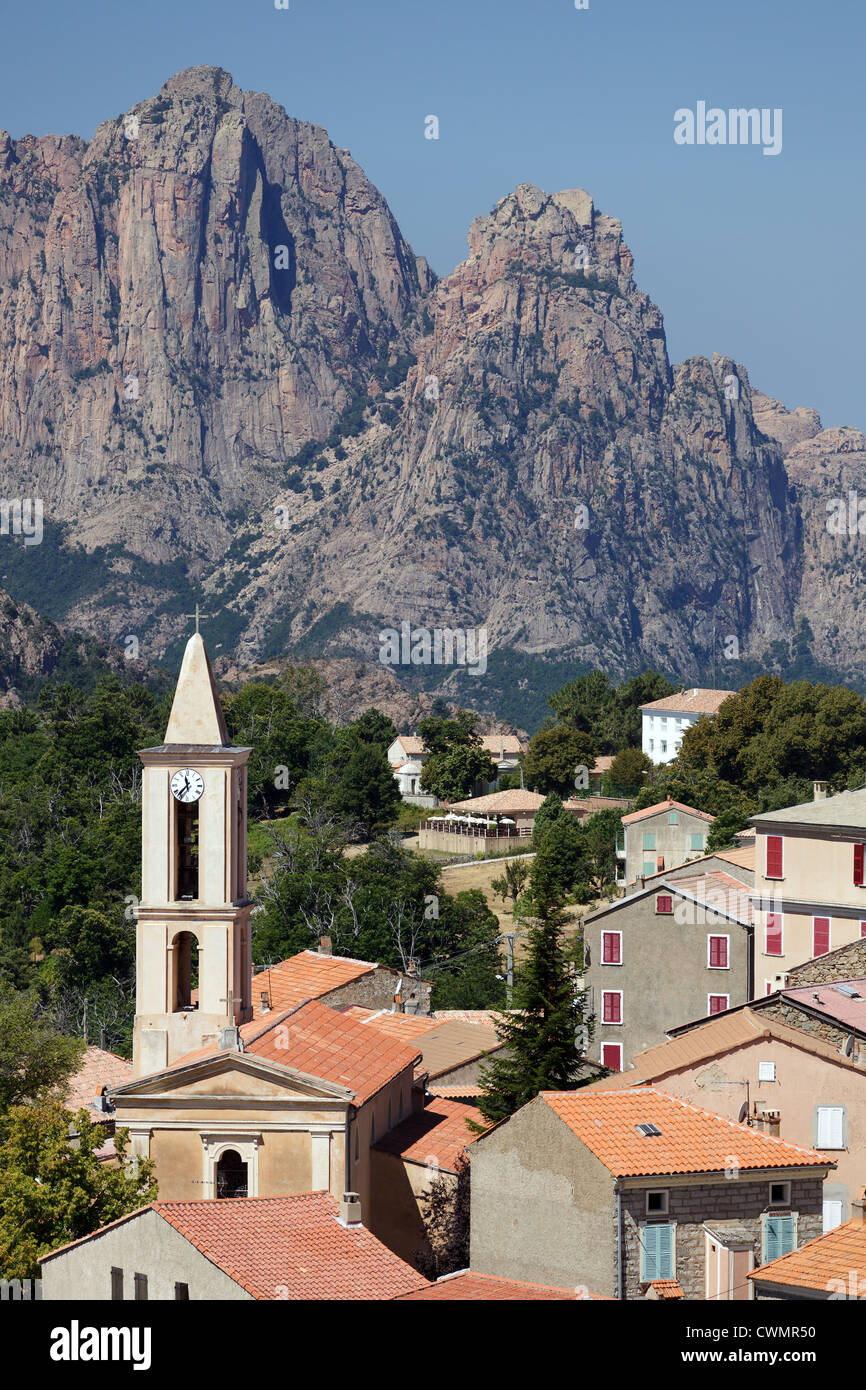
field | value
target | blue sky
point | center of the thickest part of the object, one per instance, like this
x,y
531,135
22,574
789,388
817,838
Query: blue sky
x,y
754,256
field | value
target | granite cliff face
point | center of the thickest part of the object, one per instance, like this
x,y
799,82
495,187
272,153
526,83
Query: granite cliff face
x,y
228,376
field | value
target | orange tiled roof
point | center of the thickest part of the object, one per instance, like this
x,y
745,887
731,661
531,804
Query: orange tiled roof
x,y
321,1042
308,975
691,1140
291,1247
467,1285
98,1069
666,1288
833,1255
398,1025
515,799
456,1092
435,1136
667,805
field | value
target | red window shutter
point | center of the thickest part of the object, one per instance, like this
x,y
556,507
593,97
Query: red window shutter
x,y
611,1007
719,952
820,936
664,903
863,928
611,1056
718,1003
774,856
858,865
773,943
610,953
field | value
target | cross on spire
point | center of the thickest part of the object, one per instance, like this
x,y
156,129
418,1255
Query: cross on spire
x,y
196,615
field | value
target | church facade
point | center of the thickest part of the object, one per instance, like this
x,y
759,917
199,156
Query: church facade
x,y
227,1102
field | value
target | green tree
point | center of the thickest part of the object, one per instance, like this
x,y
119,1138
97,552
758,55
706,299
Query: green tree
x,y
451,775
444,1207
541,1035
374,727
89,945
554,757
468,943
366,791
53,1188
550,810
34,1058
628,769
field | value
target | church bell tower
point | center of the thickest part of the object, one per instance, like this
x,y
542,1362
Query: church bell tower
x,y
193,957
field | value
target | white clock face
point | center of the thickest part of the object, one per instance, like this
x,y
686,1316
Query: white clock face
x,y
187,785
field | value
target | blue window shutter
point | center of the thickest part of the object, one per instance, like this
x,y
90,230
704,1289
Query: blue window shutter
x,y
650,1253
779,1237
658,1253
666,1252
787,1236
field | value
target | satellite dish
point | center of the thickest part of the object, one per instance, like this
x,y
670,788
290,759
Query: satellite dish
x,y
744,1110
849,1045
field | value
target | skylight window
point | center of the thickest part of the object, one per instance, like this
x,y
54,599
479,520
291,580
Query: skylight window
x,y
848,990
649,1131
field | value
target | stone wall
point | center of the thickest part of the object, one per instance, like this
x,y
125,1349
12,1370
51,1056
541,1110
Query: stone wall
x,y
848,963
796,1018
690,1206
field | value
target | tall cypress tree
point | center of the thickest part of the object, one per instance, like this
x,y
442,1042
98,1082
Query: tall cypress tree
x,y
544,1034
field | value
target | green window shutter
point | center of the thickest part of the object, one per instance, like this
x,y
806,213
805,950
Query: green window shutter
x,y
697,841
649,841
672,818
648,867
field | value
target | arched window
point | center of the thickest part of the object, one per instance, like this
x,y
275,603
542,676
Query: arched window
x,y
185,970
186,850
231,1175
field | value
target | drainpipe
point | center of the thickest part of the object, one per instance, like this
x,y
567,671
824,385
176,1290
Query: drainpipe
x,y
750,964
347,1186
619,1289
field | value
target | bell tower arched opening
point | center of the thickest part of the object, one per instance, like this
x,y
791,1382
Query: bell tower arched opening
x,y
231,1175
186,851
184,970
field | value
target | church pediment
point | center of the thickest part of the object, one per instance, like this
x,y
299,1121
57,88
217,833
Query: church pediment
x,y
228,1074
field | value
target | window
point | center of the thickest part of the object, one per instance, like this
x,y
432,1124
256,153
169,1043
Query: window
x,y
648,868
779,1237
717,952
141,1288
116,1283
657,1252
611,1056
231,1175
697,841
717,1003
766,1071
181,1293
611,1006
649,841
664,903
773,934
672,818
858,865
768,986
657,1204
832,1213
660,864
663,746
650,745
780,1194
774,856
611,948
820,936
863,928
830,1127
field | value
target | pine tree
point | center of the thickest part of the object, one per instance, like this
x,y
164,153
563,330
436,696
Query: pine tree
x,y
545,1032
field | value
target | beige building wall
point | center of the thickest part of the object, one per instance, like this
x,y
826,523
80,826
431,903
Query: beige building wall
x,y
802,1083
817,880
542,1205
146,1244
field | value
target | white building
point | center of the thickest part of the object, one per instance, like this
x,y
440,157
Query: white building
x,y
407,755
665,721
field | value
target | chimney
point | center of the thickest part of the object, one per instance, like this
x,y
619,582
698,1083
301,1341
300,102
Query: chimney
x,y
265,1002
350,1209
820,790
324,946
858,1206
768,1122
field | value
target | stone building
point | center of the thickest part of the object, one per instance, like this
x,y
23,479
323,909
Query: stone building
x,y
615,1191
661,837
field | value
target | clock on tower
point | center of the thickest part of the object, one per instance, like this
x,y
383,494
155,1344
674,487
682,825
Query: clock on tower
x,y
193,962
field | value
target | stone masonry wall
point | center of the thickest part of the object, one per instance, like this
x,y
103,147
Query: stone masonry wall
x,y
848,963
690,1206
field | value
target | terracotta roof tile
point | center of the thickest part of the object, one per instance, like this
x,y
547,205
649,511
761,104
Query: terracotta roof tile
x,y
666,1288
467,1091
398,1025
308,975
291,1247
691,1140
667,805
836,1255
690,701
98,1069
325,1043
435,1136
476,1287
514,800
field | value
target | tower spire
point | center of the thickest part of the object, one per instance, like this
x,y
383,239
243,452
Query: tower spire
x,y
196,713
